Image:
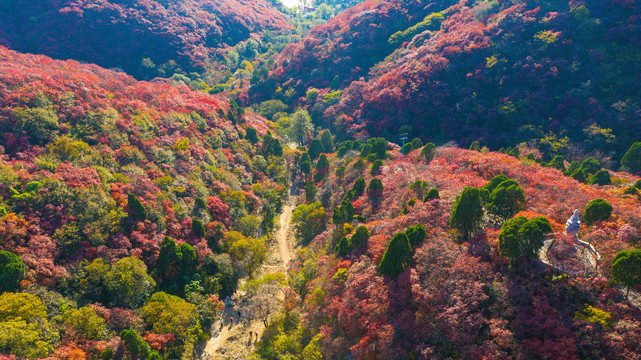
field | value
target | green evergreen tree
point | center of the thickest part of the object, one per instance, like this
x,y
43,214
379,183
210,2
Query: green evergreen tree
x,y
137,211
251,134
305,163
597,209
342,150
306,167
416,234
360,237
365,150
417,143
198,228
376,166
557,163
343,248
322,163
580,175
397,256
506,199
602,177
327,141
375,189
271,146
532,234
359,186
137,347
169,257
12,271
509,240
408,148
379,147
574,166
432,194
493,184
200,204
428,152
310,191
315,149
467,211
591,165
632,158
475,146
626,268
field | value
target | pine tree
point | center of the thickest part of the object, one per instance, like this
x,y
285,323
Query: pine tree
x,y
597,209
343,247
327,141
137,211
310,191
428,152
416,234
432,194
397,256
360,237
467,211
602,177
251,134
198,228
376,166
626,268
632,158
12,271
375,189
315,149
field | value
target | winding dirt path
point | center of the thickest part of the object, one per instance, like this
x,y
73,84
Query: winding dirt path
x,y
282,235
230,340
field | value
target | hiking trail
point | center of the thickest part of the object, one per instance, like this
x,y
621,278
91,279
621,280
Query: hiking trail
x,y
230,340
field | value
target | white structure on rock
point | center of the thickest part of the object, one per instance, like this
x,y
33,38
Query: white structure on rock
x,y
573,224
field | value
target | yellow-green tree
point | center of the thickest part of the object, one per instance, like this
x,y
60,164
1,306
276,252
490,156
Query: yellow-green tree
x,y
309,220
128,283
24,328
87,321
168,314
246,251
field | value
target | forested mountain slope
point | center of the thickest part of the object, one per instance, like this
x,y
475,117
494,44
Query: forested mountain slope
x,y
121,33
401,263
349,44
124,205
498,72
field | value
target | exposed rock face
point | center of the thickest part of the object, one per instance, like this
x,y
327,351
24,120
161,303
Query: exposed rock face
x,y
573,224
